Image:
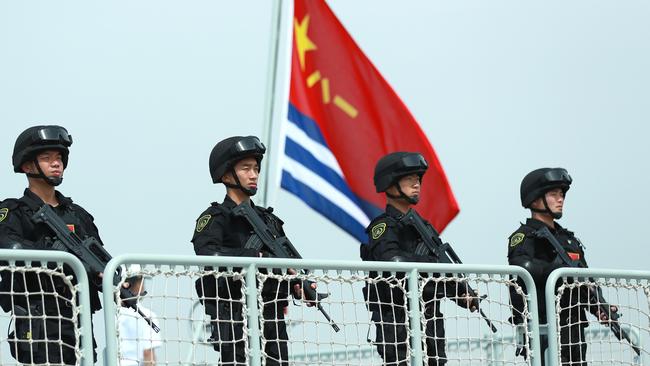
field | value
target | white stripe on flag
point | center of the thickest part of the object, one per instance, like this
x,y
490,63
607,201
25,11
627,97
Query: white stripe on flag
x,y
320,152
325,189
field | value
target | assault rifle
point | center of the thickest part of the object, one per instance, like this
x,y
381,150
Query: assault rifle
x,y
431,244
90,252
595,293
281,247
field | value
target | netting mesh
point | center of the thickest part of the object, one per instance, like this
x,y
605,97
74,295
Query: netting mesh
x,y
40,321
459,313
311,337
372,311
582,337
201,315
203,318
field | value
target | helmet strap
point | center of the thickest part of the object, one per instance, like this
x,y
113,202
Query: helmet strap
x,y
555,215
53,181
247,191
402,195
547,210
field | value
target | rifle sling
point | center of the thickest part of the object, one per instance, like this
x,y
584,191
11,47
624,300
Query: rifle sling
x,y
544,232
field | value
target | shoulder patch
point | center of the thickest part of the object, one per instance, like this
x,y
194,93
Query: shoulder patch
x,y
378,230
3,213
202,222
516,239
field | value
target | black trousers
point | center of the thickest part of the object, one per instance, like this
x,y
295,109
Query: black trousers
x,y
392,337
45,336
228,334
573,349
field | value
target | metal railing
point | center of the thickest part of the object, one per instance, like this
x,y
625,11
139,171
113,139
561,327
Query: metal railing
x,y
12,256
628,290
636,306
250,270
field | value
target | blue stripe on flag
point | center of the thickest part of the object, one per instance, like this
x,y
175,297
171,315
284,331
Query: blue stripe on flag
x,y
307,125
324,206
312,130
305,158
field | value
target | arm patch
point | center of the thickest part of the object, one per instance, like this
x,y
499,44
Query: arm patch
x,y
378,230
516,239
202,222
4,212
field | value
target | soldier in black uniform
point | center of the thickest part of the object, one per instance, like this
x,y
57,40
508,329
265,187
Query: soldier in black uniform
x,y
399,176
41,152
235,162
543,192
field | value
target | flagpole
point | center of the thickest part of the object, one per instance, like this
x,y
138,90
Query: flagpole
x,y
269,105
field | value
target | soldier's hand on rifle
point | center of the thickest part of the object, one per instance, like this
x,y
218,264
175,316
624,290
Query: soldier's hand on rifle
x,y
100,275
603,317
300,294
468,301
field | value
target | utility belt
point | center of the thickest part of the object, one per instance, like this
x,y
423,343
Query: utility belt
x,y
209,286
51,305
380,296
573,315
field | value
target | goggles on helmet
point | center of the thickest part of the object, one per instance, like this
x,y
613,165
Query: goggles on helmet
x,y
557,175
414,161
53,134
249,145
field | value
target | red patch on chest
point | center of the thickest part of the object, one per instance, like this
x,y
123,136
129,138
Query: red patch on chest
x,y
70,227
574,256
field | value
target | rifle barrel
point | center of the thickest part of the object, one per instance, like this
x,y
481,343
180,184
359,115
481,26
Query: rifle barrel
x,y
488,321
327,316
622,333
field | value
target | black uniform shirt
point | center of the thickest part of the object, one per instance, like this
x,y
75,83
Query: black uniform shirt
x,y
219,232
392,240
16,226
523,243
539,257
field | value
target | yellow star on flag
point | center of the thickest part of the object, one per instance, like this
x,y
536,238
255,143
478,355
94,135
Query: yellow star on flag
x,y
303,43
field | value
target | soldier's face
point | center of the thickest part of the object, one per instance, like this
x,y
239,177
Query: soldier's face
x,y
410,185
248,171
50,162
554,199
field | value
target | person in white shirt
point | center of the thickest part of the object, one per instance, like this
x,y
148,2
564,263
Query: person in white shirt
x,y
138,341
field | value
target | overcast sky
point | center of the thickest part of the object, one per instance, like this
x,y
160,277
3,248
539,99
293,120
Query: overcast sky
x,y
500,87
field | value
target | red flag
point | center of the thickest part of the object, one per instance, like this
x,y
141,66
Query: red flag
x,y
359,115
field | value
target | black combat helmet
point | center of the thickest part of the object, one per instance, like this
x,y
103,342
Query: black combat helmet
x,y
228,152
37,139
392,167
536,183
